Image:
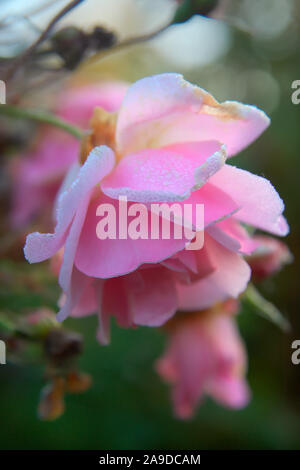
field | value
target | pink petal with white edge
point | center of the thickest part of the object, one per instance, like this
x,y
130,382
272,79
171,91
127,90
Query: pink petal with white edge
x,y
40,247
148,100
165,109
71,243
229,279
166,174
260,203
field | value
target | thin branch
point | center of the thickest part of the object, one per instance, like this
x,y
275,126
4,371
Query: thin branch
x,y
40,116
23,57
41,8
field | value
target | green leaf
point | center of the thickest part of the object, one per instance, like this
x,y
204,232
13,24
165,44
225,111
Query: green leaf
x,y
6,324
265,308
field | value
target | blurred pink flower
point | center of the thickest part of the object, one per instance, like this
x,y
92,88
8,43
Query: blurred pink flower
x,y
269,257
168,142
40,315
205,356
38,174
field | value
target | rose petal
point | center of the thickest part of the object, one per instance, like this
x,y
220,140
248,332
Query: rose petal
x,y
115,257
229,279
155,301
165,174
260,204
40,247
233,236
165,109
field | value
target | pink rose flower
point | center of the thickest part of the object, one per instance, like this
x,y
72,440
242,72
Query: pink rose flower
x,y
38,175
168,143
269,257
205,356
151,295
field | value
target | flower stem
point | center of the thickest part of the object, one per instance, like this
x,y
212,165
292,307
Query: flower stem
x,y
40,116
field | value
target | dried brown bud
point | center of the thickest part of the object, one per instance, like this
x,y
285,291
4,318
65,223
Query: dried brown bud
x,y
101,38
52,404
78,382
70,44
61,345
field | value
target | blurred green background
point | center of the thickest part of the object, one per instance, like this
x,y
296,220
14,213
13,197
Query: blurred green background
x,y
128,406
